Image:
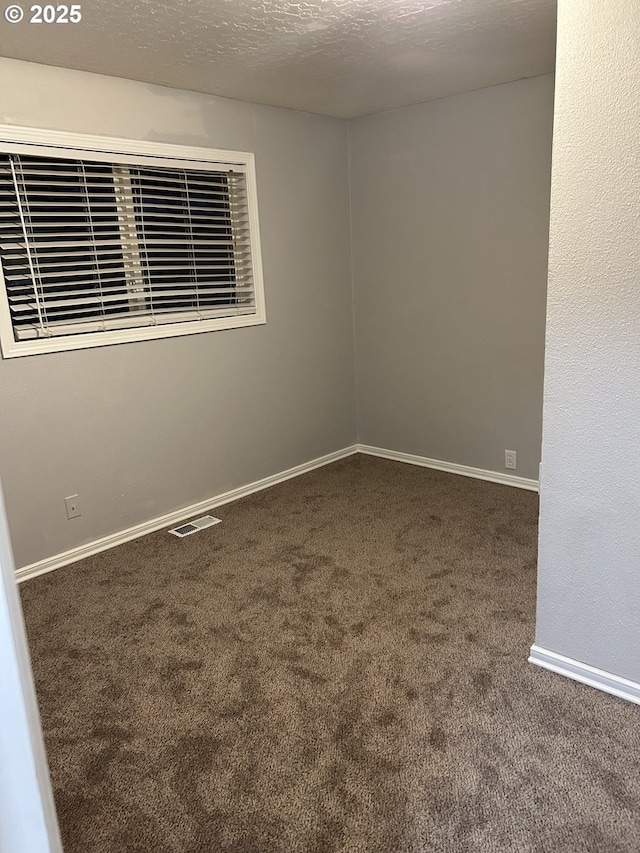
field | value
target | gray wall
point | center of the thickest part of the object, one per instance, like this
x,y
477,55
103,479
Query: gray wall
x,y
450,217
141,429
589,558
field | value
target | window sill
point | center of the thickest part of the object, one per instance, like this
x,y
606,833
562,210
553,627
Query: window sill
x,y
123,336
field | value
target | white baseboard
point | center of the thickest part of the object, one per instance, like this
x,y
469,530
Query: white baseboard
x,y
585,674
179,515
451,467
175,517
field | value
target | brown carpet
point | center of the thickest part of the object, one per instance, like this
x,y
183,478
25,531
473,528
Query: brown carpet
x,y
341,665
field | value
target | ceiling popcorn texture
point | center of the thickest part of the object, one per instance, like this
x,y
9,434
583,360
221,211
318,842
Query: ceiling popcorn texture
x,y
336,57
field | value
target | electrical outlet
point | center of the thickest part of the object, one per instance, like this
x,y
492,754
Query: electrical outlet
x,y
73,507
510,459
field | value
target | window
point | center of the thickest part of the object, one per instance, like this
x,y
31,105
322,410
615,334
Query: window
x,y
104,241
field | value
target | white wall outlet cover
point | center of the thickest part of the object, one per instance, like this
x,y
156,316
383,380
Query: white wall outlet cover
x,y
510,459
72,505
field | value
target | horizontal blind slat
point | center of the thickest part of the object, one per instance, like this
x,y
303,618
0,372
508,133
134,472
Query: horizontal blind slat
x,y
61,237
107,296
154,177
204,251
164,271
109,324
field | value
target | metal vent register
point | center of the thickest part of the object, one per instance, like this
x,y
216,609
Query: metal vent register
x,y
193,526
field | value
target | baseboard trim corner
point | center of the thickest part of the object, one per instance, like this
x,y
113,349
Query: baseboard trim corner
x,y
80,552
171,518
450,467
623,688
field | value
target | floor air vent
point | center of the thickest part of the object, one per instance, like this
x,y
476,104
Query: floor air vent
x,y
193,526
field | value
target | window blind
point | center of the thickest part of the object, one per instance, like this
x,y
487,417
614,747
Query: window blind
x,y
92,246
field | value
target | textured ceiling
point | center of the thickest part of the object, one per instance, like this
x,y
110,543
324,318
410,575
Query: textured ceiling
x,y
338,57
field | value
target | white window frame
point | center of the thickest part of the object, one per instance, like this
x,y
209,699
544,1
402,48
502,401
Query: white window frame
x,y
50,143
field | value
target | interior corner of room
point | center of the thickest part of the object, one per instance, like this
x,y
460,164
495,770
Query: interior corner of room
x,y
395,326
